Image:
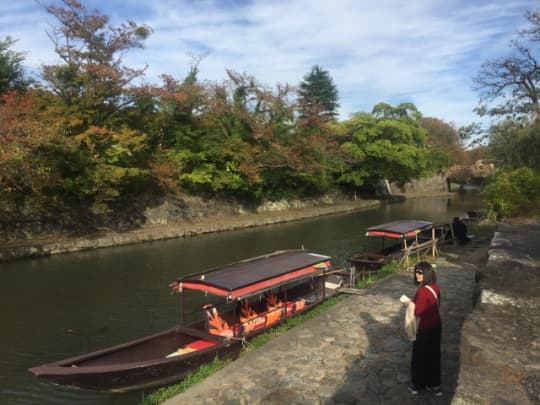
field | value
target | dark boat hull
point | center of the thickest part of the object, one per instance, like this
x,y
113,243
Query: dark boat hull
x,y
142,363
115,368
369,264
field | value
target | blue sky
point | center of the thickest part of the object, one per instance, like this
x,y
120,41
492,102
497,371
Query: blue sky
x,y
420,51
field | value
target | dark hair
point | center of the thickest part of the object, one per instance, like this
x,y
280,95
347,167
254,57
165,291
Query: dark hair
x,y
429,274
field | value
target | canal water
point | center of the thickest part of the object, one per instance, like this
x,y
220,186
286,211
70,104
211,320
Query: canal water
x,y
67,305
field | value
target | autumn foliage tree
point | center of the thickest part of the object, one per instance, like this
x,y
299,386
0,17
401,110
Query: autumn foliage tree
x,y
92,82
443,142
241,141
93,90
30,150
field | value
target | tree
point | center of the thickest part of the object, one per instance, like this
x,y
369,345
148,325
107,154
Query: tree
x,y
516,145
91,93
513,193
12,75
30,146
92,82
388,144
510,86
443,137
318,95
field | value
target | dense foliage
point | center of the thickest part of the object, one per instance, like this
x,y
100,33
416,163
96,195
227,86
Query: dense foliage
x,y
12,74
444,143
509,89
386,144
513,193
87,138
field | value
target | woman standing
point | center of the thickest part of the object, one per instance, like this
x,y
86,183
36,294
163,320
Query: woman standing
x,y
426,351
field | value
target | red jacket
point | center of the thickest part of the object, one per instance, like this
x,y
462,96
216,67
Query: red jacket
x,y
426,307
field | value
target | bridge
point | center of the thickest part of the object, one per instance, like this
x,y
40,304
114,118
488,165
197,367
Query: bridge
x,y
470,174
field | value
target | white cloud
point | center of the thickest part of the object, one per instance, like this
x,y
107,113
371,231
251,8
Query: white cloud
x,y
425,52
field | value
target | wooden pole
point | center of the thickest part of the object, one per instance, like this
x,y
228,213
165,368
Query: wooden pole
x,y
324,286
434,248
182,308
418,250
406,252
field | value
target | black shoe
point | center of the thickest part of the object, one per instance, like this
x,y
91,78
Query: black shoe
x,y
435,391
413,390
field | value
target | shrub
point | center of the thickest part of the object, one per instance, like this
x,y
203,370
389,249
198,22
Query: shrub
x,y
512,193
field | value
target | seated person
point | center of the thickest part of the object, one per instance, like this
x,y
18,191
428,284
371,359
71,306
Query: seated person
x,y
460,231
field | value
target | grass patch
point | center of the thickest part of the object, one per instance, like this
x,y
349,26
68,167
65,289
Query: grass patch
x,y
454,187
162,394
206,370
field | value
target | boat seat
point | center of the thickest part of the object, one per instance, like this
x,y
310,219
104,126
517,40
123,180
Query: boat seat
x,y
273,316
192,347
252,324
299,304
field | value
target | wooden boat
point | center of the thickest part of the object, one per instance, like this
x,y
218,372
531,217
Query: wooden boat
x,y
369,263
407,236
258,293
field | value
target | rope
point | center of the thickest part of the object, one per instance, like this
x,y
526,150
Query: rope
x,y
245,343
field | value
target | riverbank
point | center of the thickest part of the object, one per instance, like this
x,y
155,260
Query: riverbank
x,y
67,243
356,352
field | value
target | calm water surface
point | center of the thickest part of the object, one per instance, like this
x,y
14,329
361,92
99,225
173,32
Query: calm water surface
x,y
66,305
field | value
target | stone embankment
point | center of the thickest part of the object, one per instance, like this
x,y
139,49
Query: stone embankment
x,y
357,353
179,216
500,349
62,243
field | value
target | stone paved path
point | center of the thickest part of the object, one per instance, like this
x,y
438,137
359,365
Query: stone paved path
x,y
354,353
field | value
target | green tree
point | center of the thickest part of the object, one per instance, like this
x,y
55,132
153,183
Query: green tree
x,y
513,193
515,144
12,76
388,144
318,95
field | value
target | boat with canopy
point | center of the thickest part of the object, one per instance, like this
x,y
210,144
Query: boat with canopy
x,y
244,299
407,237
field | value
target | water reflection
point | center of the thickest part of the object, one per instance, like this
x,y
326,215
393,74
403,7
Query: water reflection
x,y
66,305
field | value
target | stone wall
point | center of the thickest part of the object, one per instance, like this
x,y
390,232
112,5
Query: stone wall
x,y
500,349
167,220
22,223
427,185
147,212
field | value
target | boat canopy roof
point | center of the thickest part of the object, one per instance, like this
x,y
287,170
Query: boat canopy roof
x,y
256,275
399,229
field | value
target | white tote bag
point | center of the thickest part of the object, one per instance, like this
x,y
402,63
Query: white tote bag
x,y
411,322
